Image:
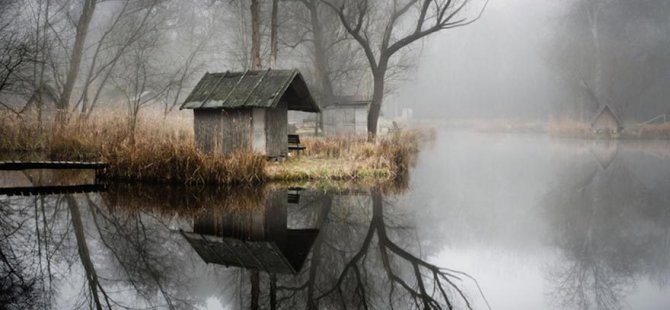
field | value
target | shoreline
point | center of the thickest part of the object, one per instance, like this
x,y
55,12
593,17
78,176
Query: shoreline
x,y
157,153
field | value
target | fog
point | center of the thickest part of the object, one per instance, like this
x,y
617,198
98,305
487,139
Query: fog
x,y
516,59
527,59
496,67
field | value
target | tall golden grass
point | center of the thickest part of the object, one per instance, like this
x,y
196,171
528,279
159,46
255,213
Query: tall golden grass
x,y
156,152
353,158
566,127
649,131
164,151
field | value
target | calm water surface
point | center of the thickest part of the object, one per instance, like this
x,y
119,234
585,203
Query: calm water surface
x,y
485,221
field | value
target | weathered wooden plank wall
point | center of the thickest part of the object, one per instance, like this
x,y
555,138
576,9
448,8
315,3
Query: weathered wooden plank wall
x,y
207,127
276,130
223,131
237,130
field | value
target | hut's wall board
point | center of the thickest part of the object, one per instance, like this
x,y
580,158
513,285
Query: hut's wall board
x,y
345,121
259,139
605,122
361,121
207,126
223,131
237,130
276,130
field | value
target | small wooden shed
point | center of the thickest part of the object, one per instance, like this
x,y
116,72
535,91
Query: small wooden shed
x,y
606,122
346,116
236,111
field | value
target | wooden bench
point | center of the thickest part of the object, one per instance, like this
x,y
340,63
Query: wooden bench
x,y
294,143
294,194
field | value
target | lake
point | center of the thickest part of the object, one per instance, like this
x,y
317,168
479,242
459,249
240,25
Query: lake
x,y
481,222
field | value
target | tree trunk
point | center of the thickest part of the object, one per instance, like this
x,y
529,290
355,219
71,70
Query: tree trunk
x,y
376,104
594,16
320,58
39,85
255,36
75,60
321,64
273,33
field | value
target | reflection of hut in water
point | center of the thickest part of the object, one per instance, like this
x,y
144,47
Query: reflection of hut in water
x,y
604,152
247,110
255,238
606,122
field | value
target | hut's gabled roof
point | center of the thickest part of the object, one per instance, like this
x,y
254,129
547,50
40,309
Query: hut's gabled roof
x,y
263,255
259,89
605,110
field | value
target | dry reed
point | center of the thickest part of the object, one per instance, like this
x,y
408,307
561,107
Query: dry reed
x,y
152,154
160,153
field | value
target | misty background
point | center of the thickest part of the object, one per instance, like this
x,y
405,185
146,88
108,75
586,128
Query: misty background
x,y
527,60
522,60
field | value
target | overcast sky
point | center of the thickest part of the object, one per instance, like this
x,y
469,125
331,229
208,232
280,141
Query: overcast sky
x,y
494,68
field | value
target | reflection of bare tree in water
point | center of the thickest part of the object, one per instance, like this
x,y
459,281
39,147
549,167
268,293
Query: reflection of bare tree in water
x,y
364,261
94,286
603,227
31,243
135,243
43,237
16,287
379,273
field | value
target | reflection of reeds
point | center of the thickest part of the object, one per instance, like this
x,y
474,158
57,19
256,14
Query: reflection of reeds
x,y
171,201
191,201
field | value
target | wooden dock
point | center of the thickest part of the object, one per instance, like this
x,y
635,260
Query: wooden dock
x,y
52,190
26,165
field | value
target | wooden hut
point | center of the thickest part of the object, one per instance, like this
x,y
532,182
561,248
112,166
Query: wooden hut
x,y
606,122
247,110
346,116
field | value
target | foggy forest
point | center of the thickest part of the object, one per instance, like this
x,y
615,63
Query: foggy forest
x,y
334,154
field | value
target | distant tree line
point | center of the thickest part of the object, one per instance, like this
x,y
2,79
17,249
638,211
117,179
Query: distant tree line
x,y
616,53
71,58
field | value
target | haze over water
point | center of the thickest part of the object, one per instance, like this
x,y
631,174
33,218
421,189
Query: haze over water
x,y
539,223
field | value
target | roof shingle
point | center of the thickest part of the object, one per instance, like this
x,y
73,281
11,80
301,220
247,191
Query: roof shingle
x,y
259,89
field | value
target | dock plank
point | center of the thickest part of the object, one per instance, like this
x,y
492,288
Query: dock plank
x,y
25,165
52,190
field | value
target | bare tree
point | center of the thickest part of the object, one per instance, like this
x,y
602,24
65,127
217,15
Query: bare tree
x,y
605,61
141,82
255,36
132,23
273,33
75,58
381,42
16,53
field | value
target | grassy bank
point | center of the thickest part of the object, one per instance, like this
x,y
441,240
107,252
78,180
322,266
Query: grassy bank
x,y
164,151
574,129
340,158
